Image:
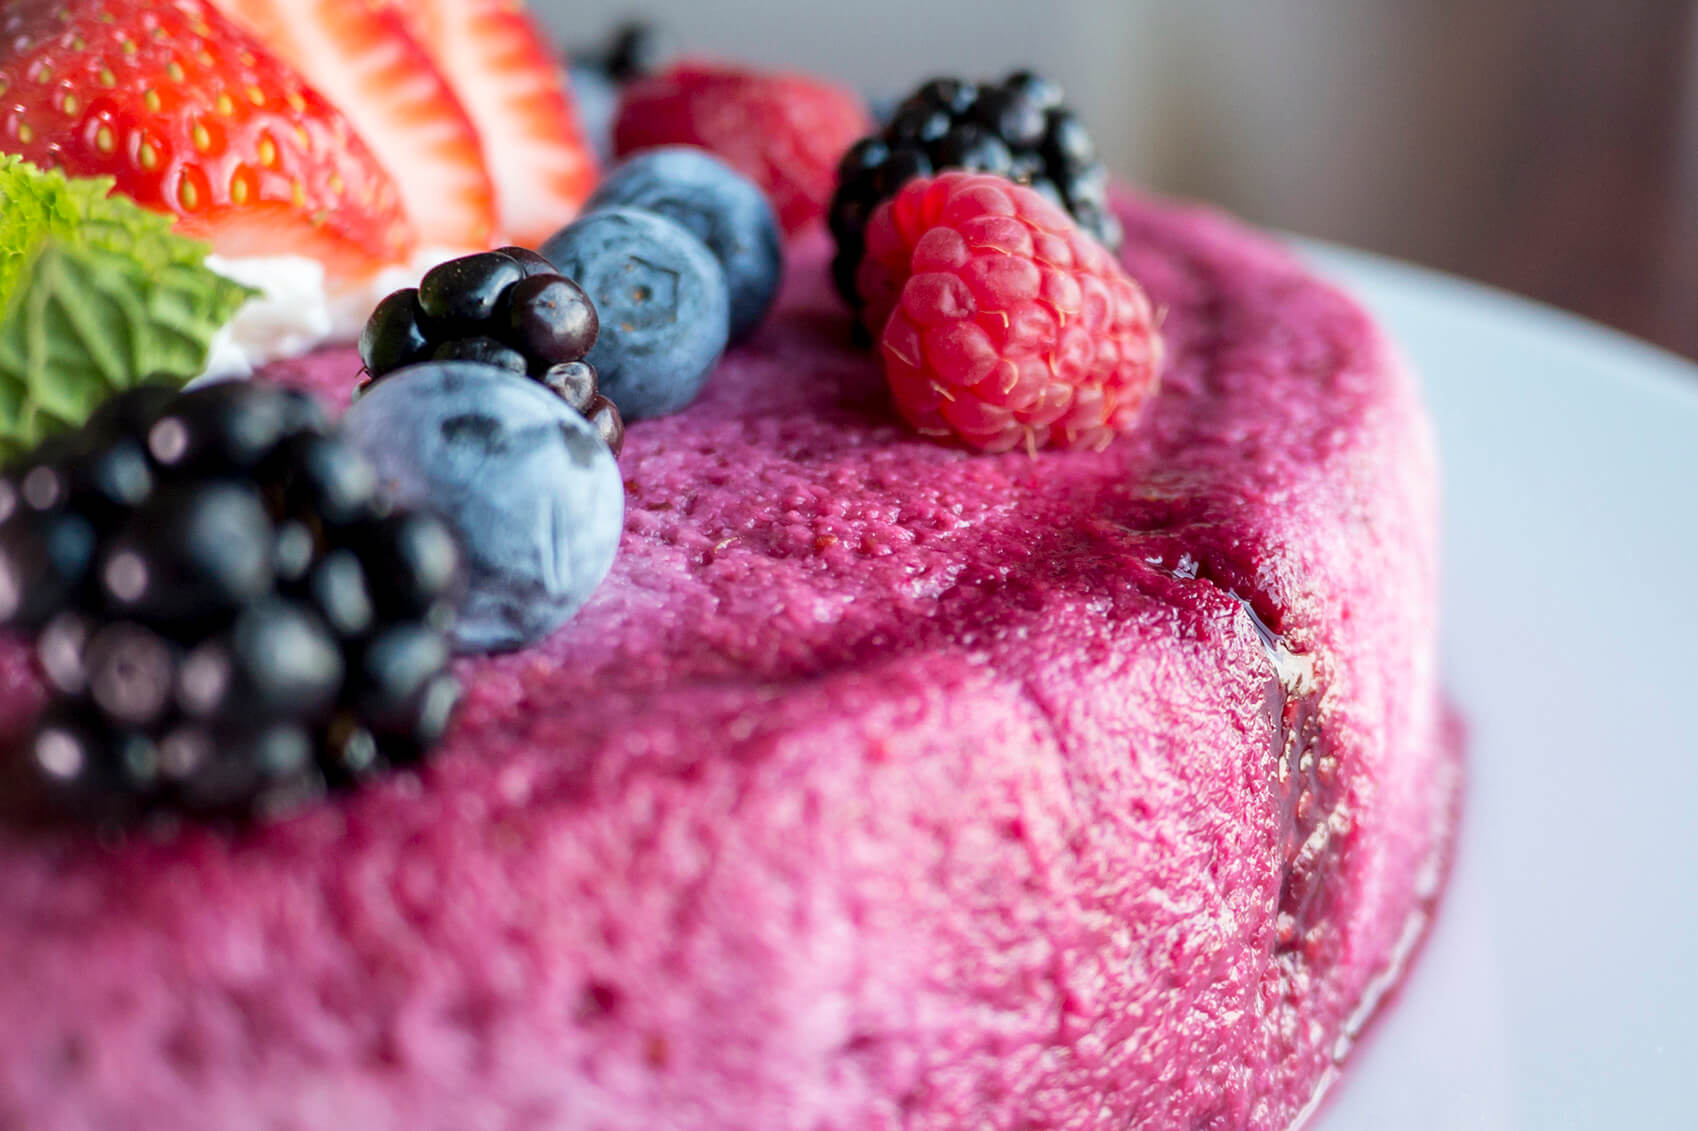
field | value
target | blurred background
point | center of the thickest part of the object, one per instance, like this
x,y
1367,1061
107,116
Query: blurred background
x,y
1545,146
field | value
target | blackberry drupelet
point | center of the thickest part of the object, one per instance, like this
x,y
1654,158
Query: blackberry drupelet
x,y
228,616
635,49
1019,128
507,308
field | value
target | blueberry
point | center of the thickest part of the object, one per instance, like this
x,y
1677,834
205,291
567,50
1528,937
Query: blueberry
x,y
550,320
724,209
394,336
461,294
663,302
533,494
483,351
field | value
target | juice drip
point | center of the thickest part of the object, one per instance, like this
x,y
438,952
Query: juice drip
x,y
1315,821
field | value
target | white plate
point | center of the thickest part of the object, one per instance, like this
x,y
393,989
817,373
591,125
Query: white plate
x,y
1560,987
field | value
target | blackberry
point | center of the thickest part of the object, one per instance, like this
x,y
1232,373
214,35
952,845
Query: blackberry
x,y
507,308
227,614
1020,128
633,50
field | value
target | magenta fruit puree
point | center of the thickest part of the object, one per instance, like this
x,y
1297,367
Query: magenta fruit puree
x,y
881,785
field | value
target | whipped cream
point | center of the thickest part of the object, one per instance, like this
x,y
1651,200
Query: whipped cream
x,y
296,310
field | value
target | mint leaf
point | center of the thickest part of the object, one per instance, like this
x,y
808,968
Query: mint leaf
x,y
96,294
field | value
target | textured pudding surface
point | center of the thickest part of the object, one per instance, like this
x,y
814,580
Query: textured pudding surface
x,y
881,786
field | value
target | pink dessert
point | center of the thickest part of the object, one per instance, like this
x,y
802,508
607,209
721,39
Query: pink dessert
x,y
881,786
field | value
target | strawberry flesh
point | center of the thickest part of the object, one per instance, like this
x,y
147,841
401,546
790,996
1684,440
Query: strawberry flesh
x,y
363,56
511,83
192,116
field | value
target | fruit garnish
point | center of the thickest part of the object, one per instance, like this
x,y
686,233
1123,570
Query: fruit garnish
x,y
517,94
530,489
1020,129
725,210
193,117
633,50
663,301
1007,326
785,132
364,57
228,615
96,295
507,308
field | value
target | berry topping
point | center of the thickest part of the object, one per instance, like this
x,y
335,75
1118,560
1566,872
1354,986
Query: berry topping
x,y
484,351
1006,326
663,301
529,261
532,491
394,336
604,416
460,296
208,641
634,50
509,309
725,210
1019,129
195,118
507,78
362,55
785,132
190,555
549,317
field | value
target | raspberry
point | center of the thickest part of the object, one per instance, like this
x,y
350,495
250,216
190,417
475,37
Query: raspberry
x,y
1005,324
785,132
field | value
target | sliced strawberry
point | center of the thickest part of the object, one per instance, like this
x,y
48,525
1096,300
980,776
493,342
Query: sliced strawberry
x,y
362,55
192,116
508,77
